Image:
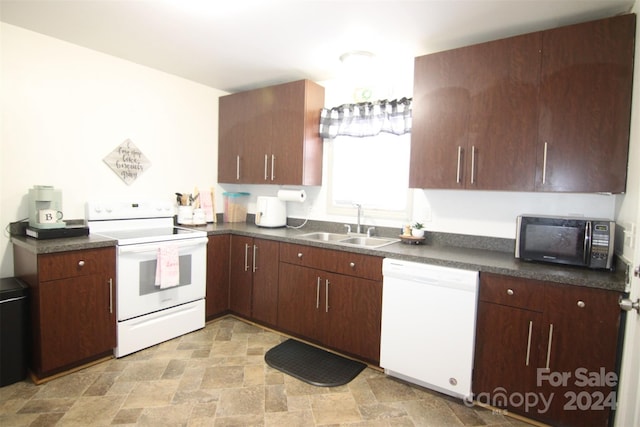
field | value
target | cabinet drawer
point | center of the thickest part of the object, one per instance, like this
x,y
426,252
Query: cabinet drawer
x,y
359,265
588,302
512,291
72,264
352,264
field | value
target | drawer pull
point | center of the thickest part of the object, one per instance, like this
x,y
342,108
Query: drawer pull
x,y
273,167
111,296
81,263
255,248
352,264
510,292
526,362
549,346
458,165
581,304
326,296
473,162
300,255
544,164
266,159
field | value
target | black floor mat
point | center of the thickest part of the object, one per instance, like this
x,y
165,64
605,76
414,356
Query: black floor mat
x,y
312,365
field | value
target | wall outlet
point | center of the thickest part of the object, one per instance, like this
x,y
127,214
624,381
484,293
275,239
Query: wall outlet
x,y
625,239
629,235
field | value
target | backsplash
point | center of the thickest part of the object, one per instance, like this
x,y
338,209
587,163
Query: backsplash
x,y
432,238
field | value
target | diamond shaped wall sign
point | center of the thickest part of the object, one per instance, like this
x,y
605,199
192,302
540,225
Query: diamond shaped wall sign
x,y
127,161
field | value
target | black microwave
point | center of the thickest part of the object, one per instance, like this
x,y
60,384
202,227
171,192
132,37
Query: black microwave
x,y
566,240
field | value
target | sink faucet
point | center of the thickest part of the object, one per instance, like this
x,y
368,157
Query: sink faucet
x,y
359,206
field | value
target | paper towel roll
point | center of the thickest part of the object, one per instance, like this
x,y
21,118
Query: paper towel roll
x,y
292,195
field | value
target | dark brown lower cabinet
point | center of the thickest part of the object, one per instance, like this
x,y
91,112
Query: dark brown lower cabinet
x,y
240,276
253,284
353,316
72,304
299,294
264,295
503,357
340,311
547,351
217,299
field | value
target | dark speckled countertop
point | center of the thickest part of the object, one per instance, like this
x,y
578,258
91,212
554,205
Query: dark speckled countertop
x,y
484,255
489,255
62,245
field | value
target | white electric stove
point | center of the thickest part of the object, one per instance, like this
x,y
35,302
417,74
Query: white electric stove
x,y
149,313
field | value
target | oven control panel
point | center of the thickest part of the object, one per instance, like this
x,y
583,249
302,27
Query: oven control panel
x,y
128,209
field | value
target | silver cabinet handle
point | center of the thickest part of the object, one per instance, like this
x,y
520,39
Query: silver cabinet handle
x,y
458,167
246,257
549,346
473,162
273,167
318,293
326,296
300,255
581,304
586,250
81,263
237,168
110,295
544,164
352,264
255,248
266,159
510,292
526,362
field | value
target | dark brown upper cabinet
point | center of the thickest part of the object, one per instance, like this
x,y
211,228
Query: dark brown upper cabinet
x,y
585,106
271,135
474,116
545,111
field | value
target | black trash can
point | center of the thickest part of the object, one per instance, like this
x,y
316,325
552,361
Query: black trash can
x,y
13,330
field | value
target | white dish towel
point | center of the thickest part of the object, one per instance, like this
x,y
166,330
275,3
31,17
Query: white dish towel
x,y
168,267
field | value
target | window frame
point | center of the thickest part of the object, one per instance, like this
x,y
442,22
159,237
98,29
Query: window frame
x,y
368,212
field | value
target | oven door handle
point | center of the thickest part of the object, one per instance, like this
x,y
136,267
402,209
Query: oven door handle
x,y
148,247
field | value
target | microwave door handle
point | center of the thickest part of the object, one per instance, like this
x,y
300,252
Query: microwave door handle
x,y
587,243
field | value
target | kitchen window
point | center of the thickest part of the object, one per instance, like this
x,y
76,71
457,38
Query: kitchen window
x,y
372,171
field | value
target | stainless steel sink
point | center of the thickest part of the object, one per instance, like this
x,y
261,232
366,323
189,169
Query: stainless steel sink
x,y
350,240
369,242
324,237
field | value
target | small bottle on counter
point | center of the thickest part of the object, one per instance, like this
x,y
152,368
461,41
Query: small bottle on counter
x,y
407,230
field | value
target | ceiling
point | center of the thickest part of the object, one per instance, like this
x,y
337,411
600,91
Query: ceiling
x,y
241,44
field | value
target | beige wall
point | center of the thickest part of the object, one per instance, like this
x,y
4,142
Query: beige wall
x,y
64,108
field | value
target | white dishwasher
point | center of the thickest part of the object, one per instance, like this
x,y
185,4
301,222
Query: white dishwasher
x,y
428,325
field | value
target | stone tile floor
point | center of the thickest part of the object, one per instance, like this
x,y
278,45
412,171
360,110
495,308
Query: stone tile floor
x,y
217,377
